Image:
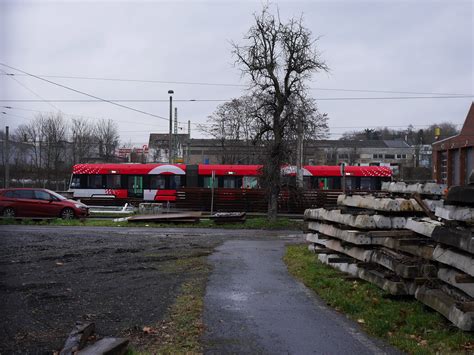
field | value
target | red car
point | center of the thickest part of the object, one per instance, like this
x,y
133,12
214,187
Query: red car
x,y
28,202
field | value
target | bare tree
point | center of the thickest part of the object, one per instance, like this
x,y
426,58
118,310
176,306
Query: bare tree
x,y
278,58
233,125
82,134
106,132
54,131
31,135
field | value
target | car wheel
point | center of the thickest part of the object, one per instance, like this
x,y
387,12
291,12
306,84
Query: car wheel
x,y
67,213
9,212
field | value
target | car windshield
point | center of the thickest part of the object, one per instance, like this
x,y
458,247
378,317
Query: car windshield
x,y
58,196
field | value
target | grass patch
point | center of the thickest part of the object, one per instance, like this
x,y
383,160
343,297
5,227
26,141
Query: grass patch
x,y
405,323
250,223
180,332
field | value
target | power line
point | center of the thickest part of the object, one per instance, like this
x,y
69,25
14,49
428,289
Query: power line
x,y
114,101
77,116
236,85
32,91
86,94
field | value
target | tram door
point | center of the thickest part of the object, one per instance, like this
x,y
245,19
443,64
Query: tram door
x,y
135,186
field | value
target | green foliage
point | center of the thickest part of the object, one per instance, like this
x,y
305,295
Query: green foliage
x,y
404,323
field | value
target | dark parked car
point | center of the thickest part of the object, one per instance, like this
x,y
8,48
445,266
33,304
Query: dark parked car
x,y
27,202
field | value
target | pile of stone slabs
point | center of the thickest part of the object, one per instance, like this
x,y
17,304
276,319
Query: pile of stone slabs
x,y
387,242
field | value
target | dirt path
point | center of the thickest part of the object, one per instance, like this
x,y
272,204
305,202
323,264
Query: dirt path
x,y
252,305
121,278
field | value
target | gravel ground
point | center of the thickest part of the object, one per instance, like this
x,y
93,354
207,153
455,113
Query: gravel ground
x,y
120,278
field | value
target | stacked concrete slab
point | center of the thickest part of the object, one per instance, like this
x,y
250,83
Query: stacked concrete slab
x,y
386,240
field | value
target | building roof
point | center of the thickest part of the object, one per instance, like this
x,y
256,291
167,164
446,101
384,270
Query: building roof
x,y
465,138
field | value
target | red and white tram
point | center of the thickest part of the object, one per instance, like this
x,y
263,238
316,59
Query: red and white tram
x,y
159,182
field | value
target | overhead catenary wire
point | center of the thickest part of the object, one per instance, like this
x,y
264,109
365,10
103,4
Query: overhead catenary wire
x,y
235,85
115,101
33,92
79,116
84,93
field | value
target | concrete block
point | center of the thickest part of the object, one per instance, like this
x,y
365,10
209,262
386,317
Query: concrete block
x,y
394,287
461,238
355,252
315,238
450,276
379,204
447,306
347,268
423,226
456,213
458,260
426,189
431,188
433,204
109,346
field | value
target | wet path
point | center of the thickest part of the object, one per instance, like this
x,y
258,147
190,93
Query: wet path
x,y
252,305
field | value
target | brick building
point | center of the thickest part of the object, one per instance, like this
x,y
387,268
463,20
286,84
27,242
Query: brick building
x,y
453,157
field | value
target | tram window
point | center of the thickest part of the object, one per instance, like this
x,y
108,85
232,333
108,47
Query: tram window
x,y
207,182
175,182
113,182
229,182
75,182
349,183
95,182
307,182
157,182
365,183
250,182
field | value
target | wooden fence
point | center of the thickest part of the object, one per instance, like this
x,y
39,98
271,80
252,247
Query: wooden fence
x,y
254,200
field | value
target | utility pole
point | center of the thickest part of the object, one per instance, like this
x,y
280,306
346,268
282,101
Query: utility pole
x,y
170,146
7,158
188,142
175,138
299,154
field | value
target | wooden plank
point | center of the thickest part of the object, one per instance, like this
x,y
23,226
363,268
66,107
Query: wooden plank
x,y
324,251
77,338
423,206
464,279
341,260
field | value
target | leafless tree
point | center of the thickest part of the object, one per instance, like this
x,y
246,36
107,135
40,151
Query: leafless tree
x,y
233,125
106,132
82,136
54,131
278,58
31,135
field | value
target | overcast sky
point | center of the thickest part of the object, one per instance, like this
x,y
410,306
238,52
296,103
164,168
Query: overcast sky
x,y
415,46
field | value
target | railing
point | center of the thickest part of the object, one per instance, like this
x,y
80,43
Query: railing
x,y
255,200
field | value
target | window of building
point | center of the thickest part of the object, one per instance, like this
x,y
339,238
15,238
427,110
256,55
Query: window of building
x,y
389,156
343,156
378,156
401,156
